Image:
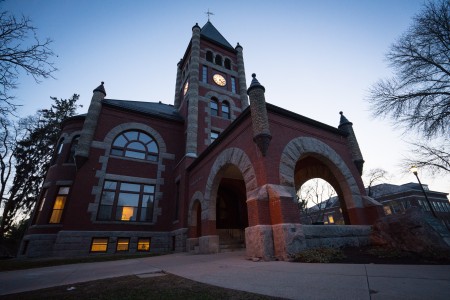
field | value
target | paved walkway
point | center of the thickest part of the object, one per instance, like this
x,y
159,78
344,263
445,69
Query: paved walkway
x,y
232,270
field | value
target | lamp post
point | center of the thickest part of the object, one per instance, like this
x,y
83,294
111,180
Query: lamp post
x,y
414,171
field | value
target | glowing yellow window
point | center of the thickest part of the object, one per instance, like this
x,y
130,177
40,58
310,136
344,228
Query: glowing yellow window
x,y
99,245
58,206
127,213
330,219
123,244
143,245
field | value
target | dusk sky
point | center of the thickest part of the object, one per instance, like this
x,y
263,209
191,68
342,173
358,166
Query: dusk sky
x,y
315,58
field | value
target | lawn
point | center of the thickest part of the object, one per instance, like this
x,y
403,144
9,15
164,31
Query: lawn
x,y
164,286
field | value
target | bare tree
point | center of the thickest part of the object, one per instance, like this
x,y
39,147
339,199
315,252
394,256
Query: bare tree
x,y
433,158
374,176
21,51
418,96
313,198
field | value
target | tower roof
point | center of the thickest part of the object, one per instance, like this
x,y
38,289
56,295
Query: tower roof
x,y
343,121
211,33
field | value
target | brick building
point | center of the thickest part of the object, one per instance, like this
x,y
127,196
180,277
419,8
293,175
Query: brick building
x,y
396,199
218,166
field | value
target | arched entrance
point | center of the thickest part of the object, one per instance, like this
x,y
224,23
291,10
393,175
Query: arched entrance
x,y
231,208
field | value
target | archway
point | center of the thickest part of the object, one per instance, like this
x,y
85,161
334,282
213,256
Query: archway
x,y
231,208
311,166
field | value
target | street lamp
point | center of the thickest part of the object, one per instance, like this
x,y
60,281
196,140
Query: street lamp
x,y
414,171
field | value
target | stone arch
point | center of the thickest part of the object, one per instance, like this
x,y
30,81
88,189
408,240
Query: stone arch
x,y
297,148
230,156
192,217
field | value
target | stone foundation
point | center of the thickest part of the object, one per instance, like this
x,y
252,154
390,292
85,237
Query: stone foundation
x,y
192,245
208,244
78,243
336,235
259,242
288,240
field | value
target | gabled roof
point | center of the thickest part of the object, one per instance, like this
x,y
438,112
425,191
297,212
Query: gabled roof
x,y
156,109
210,32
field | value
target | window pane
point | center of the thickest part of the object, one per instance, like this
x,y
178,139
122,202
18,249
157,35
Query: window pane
x,y
126,213
143,244
99,245
108,198
110,185
120,141
56,216
152,147
134,154
149,189
147,200
144,138
117,152
126,199
64,190
136,146
104,212
130,187
152,157
59,202
131,135
122,244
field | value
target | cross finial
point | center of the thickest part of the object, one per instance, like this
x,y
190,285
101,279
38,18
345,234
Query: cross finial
x,y
209,14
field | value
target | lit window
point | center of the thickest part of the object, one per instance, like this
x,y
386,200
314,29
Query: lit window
x,y
218,60
227,63
58,206
225,110
143,244
330,219
73,148
387,210
233,85
205,74
99,245
135,144
127,202
123,244
209,56
214,136
214,106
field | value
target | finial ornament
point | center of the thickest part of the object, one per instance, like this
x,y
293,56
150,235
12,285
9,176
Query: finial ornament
x,y
341,113
208,13
103,82
254,75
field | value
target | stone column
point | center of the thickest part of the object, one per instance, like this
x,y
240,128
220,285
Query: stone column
x,y
89,126
347,126
241,77
260,121
177,100
192,119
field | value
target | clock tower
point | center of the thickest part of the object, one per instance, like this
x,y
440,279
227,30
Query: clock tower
x,y
210,88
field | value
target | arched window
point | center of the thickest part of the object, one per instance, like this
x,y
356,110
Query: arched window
x,y
73,148
225,110
227,63
214,106
135,144
218,60
209,56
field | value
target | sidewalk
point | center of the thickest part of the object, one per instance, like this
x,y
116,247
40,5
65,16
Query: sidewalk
x,y
232,270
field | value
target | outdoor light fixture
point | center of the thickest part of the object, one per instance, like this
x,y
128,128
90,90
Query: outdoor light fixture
x,y
414,170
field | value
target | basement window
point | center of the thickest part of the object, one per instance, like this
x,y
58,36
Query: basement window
x,y
99,245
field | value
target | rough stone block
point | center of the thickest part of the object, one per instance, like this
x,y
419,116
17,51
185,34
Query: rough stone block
x,y
288,240
209,244
259,242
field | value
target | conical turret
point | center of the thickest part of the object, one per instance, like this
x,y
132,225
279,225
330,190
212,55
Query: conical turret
x,y
347,126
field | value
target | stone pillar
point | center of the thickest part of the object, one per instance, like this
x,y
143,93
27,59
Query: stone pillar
x,y
177,100
260,121
347,126
241,77
192,119
89,126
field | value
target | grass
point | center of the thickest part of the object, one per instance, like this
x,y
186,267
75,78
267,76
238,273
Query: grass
x,y
20,264
319,255
132,287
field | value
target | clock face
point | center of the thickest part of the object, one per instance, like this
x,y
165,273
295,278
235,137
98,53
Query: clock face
x,y
186,87
219,80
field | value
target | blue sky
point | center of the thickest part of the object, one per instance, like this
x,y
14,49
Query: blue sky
x,y
315,58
